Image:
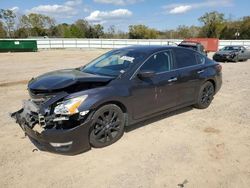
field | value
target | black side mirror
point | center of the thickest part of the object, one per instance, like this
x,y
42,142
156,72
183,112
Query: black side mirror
x,y
146,74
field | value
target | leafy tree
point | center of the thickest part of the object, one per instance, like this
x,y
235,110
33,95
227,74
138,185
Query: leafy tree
x,y
8,18
83,27
229,30
39,20
36,24
142,32
62,30
76,32
2,31
97,31
187,32
21,33
213,23
245,28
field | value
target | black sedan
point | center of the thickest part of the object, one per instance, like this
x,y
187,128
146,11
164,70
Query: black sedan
x,y
232,54
71,110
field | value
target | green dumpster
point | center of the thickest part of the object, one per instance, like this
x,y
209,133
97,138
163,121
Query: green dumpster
x,y
18,46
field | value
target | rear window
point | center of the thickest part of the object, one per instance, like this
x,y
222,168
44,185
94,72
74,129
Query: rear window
x,y
184,58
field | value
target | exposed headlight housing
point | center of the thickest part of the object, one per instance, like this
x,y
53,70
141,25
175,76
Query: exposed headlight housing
x,y
70,107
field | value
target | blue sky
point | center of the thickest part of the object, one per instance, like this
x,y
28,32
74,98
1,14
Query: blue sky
x,y
161,14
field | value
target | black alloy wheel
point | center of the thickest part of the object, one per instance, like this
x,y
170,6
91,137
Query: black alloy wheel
x,y
206,96
108,126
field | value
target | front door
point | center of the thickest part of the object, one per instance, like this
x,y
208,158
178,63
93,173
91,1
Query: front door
x,y
151,95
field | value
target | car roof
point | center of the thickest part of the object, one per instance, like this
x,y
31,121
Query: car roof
x,y
149,49
189,43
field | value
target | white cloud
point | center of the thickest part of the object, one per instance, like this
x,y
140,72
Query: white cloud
x,y
52,9
104,16
182,8
73,3
68,9
118,2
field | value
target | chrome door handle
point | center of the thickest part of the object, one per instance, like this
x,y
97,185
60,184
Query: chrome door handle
x,y
172,79
201,71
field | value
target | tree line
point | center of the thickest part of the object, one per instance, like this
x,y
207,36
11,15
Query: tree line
x,y
213,24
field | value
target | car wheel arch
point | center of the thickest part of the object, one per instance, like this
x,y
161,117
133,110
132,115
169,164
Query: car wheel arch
x,y
212,81
116,102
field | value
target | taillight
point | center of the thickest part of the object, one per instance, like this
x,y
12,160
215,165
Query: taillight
x,y
218,68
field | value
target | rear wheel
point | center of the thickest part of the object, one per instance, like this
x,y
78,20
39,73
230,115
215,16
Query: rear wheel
x,y
205,96
108,126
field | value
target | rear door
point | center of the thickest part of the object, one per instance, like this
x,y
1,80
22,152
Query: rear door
x,y
190,66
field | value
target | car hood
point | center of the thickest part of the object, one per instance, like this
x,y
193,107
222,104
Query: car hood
x,y
69,80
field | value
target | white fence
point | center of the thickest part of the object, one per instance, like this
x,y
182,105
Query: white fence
x,y
54,43
99,43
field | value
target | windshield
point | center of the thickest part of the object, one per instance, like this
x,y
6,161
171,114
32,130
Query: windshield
x,y
114,62
230,48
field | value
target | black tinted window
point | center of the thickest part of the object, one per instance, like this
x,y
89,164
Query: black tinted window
x,y
184,58
159,62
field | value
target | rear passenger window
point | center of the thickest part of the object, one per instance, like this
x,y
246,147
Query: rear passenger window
x,y
184,58
200,59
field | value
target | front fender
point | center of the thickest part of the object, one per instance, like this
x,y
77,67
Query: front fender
x,y
98,96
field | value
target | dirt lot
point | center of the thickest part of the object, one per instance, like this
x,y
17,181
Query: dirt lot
x,y
203,148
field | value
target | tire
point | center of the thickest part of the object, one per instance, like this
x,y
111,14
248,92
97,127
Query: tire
x,y
107,127
206,95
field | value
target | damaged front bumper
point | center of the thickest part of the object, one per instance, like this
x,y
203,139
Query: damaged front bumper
x,y
68,141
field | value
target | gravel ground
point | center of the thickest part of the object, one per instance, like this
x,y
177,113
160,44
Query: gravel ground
x,y
200,148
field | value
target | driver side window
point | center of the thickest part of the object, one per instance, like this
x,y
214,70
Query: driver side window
x,y
159,62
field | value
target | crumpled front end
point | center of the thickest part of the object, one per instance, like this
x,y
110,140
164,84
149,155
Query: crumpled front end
x,y
65,134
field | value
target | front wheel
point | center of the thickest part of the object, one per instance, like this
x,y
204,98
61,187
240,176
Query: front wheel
x,y
236,59
108,126
206,95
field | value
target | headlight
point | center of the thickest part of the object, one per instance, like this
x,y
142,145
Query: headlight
x,y
70,106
